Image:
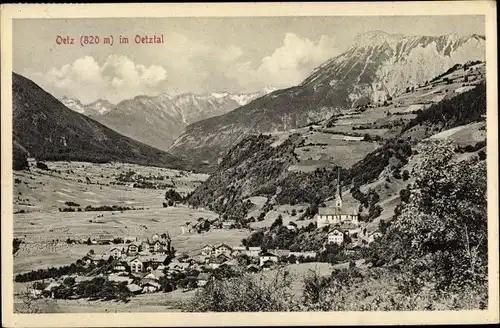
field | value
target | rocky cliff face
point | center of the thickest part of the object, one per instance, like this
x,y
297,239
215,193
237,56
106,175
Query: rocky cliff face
x,y
379,65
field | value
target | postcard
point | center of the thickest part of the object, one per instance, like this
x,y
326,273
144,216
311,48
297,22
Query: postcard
x,y
249,164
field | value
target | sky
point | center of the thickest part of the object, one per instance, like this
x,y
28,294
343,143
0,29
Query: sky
x,y
199,55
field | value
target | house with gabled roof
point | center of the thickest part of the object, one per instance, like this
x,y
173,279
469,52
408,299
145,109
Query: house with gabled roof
x,y
134,288
133,249
155,274
280,252
335,236
267,256
253,251
49,290
222,249
115,252
119,279
120,266
150,286
207,250
350,228
136,265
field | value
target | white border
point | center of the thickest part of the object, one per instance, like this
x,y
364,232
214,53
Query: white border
x,y
9,12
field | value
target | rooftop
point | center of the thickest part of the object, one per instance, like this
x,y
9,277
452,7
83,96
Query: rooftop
x,y
346,208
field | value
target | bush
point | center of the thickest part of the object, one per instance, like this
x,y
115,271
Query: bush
x,y
173,195
70,203
19,159
42,166
261,216
449,197
245,293
406,175
16,243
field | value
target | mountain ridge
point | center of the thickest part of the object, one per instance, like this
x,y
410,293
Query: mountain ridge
x,y
362,75
48,130
158,120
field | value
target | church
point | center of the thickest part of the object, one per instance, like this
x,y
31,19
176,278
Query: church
x,y
342,213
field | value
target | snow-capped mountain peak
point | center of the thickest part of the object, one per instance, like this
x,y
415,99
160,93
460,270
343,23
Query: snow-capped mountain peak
x,y
374,38
379,64
98,107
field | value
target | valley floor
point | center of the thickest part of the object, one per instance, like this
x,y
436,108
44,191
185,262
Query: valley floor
x,y
44,229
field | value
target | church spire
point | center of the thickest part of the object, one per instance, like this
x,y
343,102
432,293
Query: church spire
x,y
338,192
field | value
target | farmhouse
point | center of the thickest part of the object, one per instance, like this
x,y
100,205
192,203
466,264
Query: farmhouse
x,y
350,249
178,266
49,290
350,228
120,266
130,239
228,224
239,250
248,251
253,251
115,252
104,239
207,250
222,249
154,261
280,252
216,261
144,247
134,289
336,237
119,279
136,265
155,247
150,286
133,249
306,255
230,263
340,213
155,274
267,256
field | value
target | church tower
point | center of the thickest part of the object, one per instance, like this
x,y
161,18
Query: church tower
x,y
338,193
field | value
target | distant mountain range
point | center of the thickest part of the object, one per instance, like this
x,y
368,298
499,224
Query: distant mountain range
x,y
98,107
47,129
377,66
157,121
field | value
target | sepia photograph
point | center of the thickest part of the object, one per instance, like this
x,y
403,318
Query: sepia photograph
x,y
256,163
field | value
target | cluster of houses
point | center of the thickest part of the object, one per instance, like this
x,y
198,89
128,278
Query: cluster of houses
x,y
138,256
222,254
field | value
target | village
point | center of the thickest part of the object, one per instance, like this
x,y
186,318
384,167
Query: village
x,y
151,264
